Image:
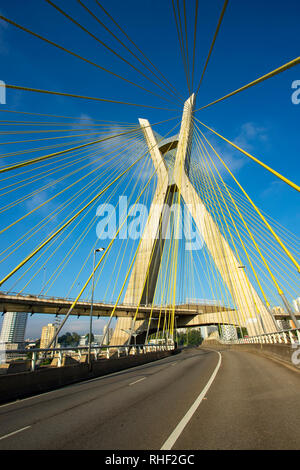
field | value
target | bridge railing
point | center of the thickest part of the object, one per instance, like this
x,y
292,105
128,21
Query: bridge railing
x,y
37,355
291,336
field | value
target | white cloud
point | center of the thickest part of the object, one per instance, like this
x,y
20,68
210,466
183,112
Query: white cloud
x,y
249,135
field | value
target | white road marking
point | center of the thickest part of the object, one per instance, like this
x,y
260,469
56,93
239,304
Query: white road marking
x,y
169,443
101,377
173,364
139,380
15,432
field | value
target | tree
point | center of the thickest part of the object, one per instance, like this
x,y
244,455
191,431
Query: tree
x,y
194,338
69,339
244,331
88,337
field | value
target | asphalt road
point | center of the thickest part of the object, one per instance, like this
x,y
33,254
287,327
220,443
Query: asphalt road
x,y
252,403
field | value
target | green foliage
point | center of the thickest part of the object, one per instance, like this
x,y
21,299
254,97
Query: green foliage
x,y
192,337
88,336
244,331
69,339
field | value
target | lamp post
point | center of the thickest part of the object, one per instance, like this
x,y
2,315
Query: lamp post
x,y
91,311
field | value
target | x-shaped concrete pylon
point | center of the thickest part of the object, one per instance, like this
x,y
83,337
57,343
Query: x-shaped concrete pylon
x,y
250,310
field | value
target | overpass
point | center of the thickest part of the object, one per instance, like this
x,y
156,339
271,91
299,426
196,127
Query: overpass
x,y
187,315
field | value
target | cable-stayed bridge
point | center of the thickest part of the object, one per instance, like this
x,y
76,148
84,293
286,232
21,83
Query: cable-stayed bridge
x,y
143,215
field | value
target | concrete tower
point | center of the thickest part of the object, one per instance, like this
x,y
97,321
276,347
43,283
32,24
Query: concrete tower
x,y
251,311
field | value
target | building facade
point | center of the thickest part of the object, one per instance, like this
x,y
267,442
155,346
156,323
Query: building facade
x,y
296,304
13,328
228,333
48,332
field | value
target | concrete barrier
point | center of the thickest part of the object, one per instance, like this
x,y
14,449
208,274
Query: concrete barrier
x,y
25,384
284,353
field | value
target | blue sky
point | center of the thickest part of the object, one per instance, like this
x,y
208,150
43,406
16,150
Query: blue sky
x,y
255,38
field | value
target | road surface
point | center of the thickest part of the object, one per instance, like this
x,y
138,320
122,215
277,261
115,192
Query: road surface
x,y
198,399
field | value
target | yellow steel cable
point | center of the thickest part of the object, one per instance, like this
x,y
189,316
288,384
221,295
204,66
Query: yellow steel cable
x,y
129,50
53,164
5,122
195,37
106,46
51,170
209,199
290,183
167,271
234,224
151,254
208,185
148,268
146,194
38,149
170,271
144,154
94,181
147,274
273,249
51,155
235,300
81,202
33,253
247,228
63,144
81,119
47,131
249,210
76,55
257,210
130,198
179,34
121,248
22,199
66,224
274,263
35,178
129,269
60,192
52,215
76,245
129,39
62,161
72,95
186,38
282,275
63,117
60,244
213,42
235,249
284,67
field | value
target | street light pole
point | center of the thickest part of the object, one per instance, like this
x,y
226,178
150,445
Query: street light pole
x,y
91,311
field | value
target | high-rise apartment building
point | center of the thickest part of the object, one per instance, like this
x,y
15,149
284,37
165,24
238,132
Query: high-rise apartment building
x,y
13,328
296,304
48,332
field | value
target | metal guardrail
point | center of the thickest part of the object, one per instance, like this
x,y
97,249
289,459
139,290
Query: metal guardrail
x,y
291,336
61,353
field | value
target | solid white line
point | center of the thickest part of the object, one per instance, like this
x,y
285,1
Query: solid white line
x,y
132,383
15,432
182,424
